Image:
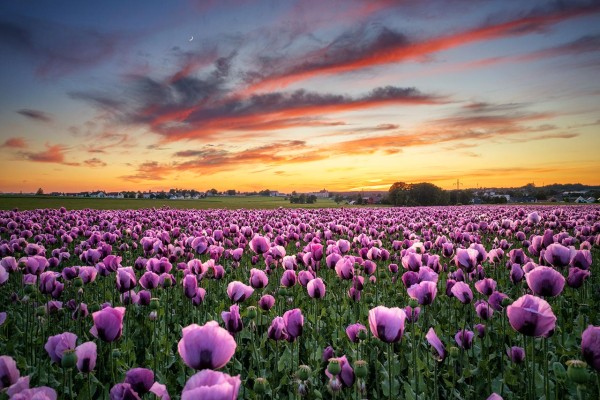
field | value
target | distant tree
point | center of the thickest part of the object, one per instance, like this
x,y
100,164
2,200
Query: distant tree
x,y
311,199
265,192
213,191
40,192
398,194
231,192
338,199
427,194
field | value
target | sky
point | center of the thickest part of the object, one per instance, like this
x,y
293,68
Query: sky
x,y
298,95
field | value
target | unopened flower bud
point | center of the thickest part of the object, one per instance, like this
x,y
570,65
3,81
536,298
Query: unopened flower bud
x,y
334,367
69,359
362,334
453,352
260,385
577,371
360,368
413,303
506,302
78,282
335,385
116,353
154,303
303,372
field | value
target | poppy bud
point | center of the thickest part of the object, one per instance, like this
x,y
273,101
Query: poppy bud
x,y
304,372
29,289
362,334
506,302
154,303
78,282
260,385
577,371
334,367
453,352
116,353
360,368
69,359
413,303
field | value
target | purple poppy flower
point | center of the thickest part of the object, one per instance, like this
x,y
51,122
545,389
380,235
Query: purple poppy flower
x,y
206,346
437,344
88,274
9,264
352,331
266,302
159,265
259,244
480,328
86,357
494,396
211,385
238,292
288,278
316,288
126,280
149,280
345,267
123,391
140,379
387,324
190,284
517,256
58,344
277,329
294,321
424,292
258,278
531,316
516,354
481,253
108,323
412,314
483,310
590,346
581,259
9,373
412,261
37,393
485,286
464,339
462,292
577,277
466,259
346,375
410,278
305,276
545,281
328,353
558,255
232,319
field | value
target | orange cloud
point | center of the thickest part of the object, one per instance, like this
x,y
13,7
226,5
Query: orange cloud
x,y
52,154
14,143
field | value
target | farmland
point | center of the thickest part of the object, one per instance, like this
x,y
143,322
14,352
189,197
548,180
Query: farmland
x,y
415,303
225,202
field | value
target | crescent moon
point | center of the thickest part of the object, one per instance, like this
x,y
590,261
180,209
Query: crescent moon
x,y
192,38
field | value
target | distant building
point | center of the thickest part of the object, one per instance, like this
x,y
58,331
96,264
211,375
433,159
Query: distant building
x,y
99,194
115,195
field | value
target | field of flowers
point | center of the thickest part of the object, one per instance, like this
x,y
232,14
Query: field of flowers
x,y
413,303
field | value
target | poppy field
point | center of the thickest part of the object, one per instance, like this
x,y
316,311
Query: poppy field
x,y
470,302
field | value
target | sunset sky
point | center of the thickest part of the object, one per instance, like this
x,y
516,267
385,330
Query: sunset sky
x,y
297,95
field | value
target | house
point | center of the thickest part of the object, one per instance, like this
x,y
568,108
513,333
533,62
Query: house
x,y
580,200
273,193
590,200
115,195
100,194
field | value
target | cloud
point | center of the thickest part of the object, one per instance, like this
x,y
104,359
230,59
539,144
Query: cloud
x,y
57,49
14,143
374,45
53,154
94,163
35,115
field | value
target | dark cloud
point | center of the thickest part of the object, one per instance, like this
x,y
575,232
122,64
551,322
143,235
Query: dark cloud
x,y
94,163
35,115
57,49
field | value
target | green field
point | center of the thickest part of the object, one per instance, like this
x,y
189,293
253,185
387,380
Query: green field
x,y
79,203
